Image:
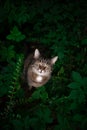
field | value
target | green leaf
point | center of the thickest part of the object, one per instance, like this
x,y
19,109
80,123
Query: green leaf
x,y
40,93
78,117
63,122
36,95
73,106
84,124
81,96
73,95
61,71
57,127
36,124
27,122
17,124
84,41
74,85
44,114
84,81
3,90
85,85
77,96
15,35
76,77
47,115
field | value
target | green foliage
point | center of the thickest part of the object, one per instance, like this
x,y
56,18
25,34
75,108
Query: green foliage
x,y
7,53
15,35
40,94
84,41
14,85
59,29
78,93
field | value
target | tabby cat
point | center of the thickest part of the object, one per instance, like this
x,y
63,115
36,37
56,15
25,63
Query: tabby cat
x,y
37,70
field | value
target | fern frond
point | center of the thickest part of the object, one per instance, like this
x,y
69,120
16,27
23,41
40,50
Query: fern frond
x,y
15,84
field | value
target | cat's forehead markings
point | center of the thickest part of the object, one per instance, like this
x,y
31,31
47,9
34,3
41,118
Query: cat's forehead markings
x,y
44,61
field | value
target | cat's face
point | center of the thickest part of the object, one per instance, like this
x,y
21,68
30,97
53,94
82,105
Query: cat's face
x,y
41,66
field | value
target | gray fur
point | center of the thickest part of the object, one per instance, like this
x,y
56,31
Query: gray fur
x,y
37,70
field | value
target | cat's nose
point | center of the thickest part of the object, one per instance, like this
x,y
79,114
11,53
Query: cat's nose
x,y
40,71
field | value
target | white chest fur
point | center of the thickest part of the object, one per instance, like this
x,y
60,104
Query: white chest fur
x,y
39,78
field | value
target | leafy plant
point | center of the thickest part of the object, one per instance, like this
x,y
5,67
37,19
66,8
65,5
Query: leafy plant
x,y
15,35
7,53
78,93
57,28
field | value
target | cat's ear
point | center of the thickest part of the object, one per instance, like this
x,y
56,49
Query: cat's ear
x,y
36,54
54,59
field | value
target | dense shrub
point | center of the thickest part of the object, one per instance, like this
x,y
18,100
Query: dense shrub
x,y
60,29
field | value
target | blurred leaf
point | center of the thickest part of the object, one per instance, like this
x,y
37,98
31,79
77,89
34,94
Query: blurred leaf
x,y
3,90
15,35
73,106
17,124
73,95
40,93
61,71
78,117
44,114
84,124
85,85
84,81
27,122
63,122
81,97
74,85
7,53
61,55
77,96
57,127
20,92
76,77
84,41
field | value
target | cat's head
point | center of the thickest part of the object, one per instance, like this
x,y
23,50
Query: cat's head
x,y
43,66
